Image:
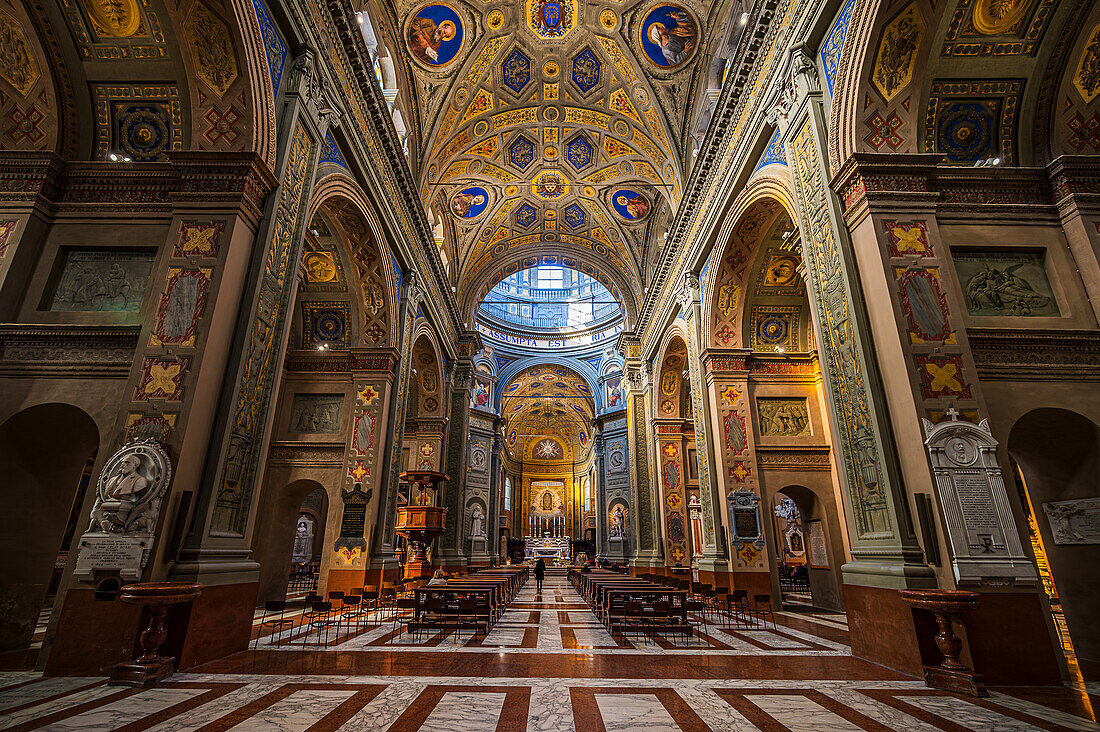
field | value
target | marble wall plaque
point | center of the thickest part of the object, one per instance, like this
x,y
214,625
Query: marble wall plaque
x,y
985,545
1074,522
123,553
819,550
1005,283
316,413
101,280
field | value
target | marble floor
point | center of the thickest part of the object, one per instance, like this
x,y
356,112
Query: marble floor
x,y
548,664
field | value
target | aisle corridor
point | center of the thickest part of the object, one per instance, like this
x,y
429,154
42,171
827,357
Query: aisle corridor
x,y
547,665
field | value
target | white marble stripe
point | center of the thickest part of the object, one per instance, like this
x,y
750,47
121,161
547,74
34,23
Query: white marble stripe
x,y
801,714
217,708
968,715
771,639
876,710
635,713
43,689
811,618
1037,710
296,712
66,702
466,711
125,711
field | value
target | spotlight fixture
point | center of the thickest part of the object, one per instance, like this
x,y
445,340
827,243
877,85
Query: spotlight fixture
x,y
118,158
780,349
359,17
987,163
744,17
322,346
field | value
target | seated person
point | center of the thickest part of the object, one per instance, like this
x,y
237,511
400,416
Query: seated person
x,y
439,578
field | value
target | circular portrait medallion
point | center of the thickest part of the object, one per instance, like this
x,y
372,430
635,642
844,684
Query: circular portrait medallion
x,y
470,203
668,36
630,204
434,34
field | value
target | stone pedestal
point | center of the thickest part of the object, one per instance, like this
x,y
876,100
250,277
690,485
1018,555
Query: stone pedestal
x,y
150,668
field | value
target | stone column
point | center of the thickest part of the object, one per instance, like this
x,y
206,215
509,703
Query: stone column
x,y
478,486
451,546
885,553
727,386
598,498
216,551
383,559
346,561
644,527
714,563
929,373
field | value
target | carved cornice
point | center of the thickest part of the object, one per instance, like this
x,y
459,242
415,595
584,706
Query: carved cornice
x,y
239,180
425,426
307,454
377,361
393,160
1029,355
1075,183
793,458
877,182
67,351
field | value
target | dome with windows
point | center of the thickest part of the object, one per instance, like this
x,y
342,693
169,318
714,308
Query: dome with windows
x,y
550,300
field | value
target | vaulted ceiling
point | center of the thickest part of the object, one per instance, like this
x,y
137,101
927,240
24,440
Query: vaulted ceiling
x,y
554,126
547,401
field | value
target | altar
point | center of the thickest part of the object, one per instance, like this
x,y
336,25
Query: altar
x,y
551,549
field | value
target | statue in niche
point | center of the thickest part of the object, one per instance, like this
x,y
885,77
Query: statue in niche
x,y
618,524
477,523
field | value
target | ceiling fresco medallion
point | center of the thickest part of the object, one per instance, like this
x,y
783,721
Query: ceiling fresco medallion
x,y
434,34
470,203
495,19
631,205
551,19
668,36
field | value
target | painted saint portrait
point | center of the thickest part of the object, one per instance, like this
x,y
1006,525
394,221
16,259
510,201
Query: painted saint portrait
x,y
435,34
668,36
470,203
629,204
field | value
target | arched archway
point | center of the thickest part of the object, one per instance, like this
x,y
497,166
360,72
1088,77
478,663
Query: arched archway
x,y
804,527
273,545
46,453
1057,454
675,450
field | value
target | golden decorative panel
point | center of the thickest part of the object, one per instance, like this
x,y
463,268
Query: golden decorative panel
x,y
17,64
513,117
116,18
591,117
211,49
482,102
1086,77
897,52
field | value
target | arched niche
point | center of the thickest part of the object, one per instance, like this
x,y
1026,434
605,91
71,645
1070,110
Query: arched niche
x,y
46,453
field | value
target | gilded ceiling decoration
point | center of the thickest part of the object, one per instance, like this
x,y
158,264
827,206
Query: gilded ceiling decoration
x,y
549,411
553,125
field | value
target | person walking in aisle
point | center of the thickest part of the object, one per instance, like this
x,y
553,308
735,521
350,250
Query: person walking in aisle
x,y
540,572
